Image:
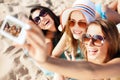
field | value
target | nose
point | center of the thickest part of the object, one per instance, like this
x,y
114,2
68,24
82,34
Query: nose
x,y
77,24
41,18
90,42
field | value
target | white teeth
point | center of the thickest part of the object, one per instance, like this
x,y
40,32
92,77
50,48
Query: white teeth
x,y
77,32
46,22
92,50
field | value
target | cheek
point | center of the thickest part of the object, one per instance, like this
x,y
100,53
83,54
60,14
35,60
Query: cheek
x,y
40,26
83,30
49,18
71,29
104,49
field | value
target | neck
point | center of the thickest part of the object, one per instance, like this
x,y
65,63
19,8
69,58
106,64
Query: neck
x,y
50,35
53,29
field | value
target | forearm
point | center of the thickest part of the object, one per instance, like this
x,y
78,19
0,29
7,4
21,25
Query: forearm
x,y
118,6
82,70
60,47
69,68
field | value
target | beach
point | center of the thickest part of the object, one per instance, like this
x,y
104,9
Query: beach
x,y
15,64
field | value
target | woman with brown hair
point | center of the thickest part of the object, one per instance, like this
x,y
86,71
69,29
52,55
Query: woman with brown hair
x,y
102,45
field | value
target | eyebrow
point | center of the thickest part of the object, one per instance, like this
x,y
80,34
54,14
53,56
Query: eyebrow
x,y
81,20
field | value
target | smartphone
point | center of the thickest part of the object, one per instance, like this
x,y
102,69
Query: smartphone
x,y
14,29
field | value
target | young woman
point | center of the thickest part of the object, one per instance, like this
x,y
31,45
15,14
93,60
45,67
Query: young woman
x,y
48,22
100,64
74,22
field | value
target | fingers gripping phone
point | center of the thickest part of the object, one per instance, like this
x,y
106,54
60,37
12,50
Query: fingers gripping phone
x,y
14,29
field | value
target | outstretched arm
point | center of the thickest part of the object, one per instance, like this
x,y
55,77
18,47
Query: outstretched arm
x,y
76,69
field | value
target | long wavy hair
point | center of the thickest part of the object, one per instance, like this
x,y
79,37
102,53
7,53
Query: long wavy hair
x,y
72,43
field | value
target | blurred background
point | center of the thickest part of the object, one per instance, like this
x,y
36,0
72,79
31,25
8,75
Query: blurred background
x,y
18,7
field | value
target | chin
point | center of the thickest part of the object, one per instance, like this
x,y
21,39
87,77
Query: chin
x,y
76,37
92,57
47,27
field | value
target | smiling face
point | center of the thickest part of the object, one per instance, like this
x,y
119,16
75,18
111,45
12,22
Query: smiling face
x,y
96,54
77,24
44,21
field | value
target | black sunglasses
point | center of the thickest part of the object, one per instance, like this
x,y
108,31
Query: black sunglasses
x,y
42,13
97,40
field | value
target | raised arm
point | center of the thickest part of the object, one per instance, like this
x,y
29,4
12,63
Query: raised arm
x,y
60,47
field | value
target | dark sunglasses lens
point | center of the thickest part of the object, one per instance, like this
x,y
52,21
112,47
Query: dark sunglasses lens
x,y
71,23
82,24
43,13
37,19
97,39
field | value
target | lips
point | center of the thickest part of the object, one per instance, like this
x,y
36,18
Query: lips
x,y
92,51
46,22
77,32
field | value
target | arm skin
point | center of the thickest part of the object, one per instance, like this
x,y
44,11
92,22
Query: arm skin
x,y
118,6
60,47
113,5
110,10
82,70
77,70
110,13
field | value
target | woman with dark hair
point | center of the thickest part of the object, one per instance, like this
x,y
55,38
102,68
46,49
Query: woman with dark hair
x,y
48,22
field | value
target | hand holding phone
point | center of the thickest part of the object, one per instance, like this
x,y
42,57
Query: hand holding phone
x,y
14,29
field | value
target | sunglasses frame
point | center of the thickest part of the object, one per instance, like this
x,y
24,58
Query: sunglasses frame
x,y
42,13
94,39
79,23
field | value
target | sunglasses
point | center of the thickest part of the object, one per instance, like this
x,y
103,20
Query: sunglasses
x,y
97,40
42,13
80,24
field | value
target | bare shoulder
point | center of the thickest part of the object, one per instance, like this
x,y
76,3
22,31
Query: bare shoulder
x,y
115,60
